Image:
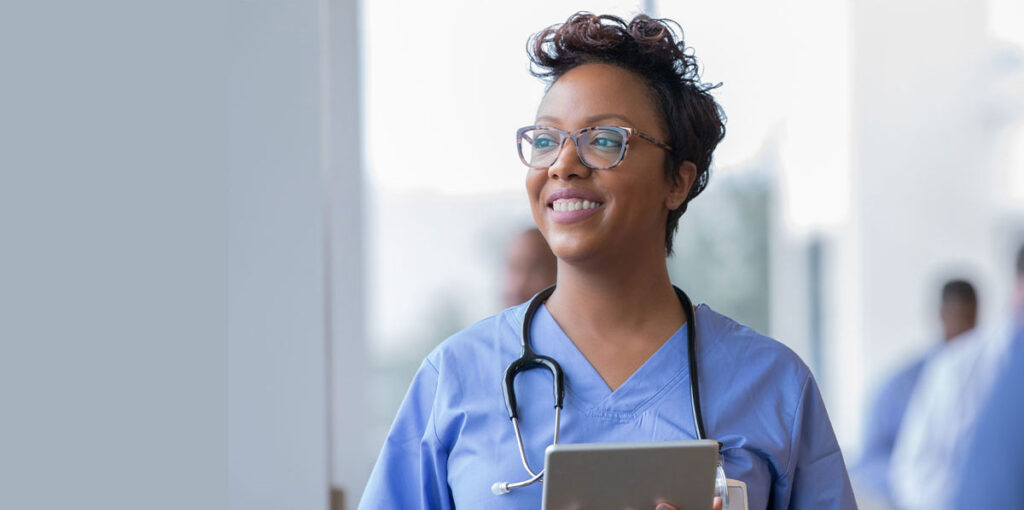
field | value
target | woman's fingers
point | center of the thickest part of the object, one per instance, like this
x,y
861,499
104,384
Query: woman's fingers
x,y
715,505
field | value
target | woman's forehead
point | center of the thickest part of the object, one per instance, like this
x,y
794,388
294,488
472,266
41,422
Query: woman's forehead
x,y
593,92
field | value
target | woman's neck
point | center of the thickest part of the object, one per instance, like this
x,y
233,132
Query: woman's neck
x,y
617,296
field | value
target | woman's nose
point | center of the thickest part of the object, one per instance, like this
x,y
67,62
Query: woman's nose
x,y
568,164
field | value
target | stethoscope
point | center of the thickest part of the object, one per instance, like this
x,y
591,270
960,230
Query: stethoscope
x,y
529,360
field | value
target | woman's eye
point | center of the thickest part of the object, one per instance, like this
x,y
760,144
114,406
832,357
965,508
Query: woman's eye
x,y
605,142
544,142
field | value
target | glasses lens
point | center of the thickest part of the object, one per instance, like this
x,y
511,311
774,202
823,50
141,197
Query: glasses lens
x,y
539,147
602,147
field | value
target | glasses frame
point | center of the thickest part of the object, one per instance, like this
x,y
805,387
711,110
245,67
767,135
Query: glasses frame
x,y
627,134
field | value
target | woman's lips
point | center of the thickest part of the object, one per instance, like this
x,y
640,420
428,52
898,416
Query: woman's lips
x,y
573,210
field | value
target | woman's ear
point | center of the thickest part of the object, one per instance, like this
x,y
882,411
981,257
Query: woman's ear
x,y
679,189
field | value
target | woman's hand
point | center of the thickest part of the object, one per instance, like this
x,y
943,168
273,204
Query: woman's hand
x,y
715,505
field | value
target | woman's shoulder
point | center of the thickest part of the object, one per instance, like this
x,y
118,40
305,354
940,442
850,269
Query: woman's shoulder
x,y
742,346
488,338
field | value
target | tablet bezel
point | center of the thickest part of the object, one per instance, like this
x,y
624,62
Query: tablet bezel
x,y
630,475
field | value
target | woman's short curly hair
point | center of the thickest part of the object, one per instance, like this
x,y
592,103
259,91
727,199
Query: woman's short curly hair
x,y
654,49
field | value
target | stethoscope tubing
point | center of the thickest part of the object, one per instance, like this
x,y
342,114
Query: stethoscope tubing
x,y
528,360
691,355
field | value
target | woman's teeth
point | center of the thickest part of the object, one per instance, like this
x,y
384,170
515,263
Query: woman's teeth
x,y
574,204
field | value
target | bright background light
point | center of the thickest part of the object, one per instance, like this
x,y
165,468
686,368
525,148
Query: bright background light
x,y
875,159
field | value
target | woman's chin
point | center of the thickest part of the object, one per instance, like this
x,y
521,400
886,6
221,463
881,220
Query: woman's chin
x,y
572,250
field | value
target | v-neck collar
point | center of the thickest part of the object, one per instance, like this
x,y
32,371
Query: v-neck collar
x,y
585,387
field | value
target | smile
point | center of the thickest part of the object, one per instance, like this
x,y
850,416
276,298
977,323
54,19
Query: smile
x,y
574,204
572,210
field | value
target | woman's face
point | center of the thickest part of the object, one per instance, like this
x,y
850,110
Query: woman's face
x,y
633,198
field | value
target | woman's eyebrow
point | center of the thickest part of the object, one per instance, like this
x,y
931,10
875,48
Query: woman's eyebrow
x,y
602,116
591,119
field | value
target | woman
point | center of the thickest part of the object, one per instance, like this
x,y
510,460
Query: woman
x,y
608,201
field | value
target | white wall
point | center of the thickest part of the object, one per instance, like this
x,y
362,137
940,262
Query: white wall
x,y
926,177
278,453
164,260
351,453
112,255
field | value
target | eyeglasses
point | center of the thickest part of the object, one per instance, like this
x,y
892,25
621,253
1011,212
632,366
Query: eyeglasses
x,y
598,147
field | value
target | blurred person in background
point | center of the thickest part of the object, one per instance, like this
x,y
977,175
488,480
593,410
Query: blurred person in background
x,y
958,312
993,471
529,267
621,142
958,309
933,439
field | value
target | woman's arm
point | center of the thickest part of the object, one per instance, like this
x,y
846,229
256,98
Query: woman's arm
x,y
815,476
411,471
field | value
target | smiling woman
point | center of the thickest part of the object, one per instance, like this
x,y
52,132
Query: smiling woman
x,y
642,129
653,78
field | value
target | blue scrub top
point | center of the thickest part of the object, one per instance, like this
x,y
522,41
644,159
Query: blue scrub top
x,y
992,472
452,438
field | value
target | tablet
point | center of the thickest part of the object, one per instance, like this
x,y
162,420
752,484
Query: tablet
x,y
595,476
